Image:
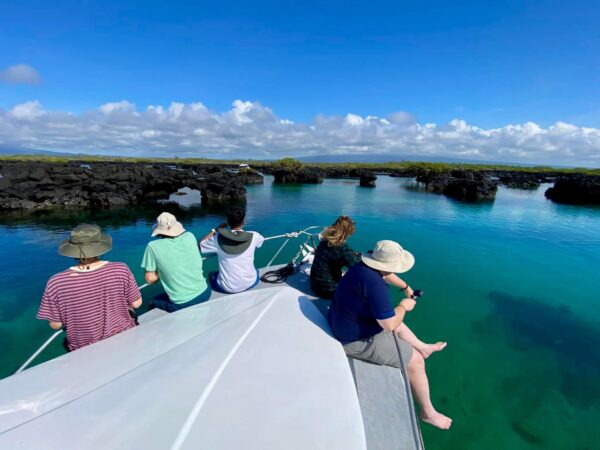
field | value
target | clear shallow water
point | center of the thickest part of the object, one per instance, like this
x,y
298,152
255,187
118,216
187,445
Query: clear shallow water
x,y
512,286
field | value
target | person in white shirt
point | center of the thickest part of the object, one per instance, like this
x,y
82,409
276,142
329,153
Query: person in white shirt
x,y
235,249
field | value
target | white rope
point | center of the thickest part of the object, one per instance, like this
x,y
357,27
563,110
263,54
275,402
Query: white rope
x,y
293,234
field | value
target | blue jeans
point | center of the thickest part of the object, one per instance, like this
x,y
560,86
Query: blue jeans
x,y
162,301
215,286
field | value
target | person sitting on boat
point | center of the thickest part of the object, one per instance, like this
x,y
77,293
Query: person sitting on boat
x,y
333,254
92,299
362,317
235,250
175,260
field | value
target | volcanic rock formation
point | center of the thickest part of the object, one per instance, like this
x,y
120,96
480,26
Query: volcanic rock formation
x,y
367,179
461,185
576,190
44,185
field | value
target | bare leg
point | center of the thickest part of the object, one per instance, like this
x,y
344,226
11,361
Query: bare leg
x,y
420,388
407,335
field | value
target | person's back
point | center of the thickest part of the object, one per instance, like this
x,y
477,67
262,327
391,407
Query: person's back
x,y
91,300
235,250
363,318
326,269
179,265
331,256
362,297
175,260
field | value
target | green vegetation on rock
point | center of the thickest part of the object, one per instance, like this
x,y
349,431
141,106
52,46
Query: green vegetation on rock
x,y
291,163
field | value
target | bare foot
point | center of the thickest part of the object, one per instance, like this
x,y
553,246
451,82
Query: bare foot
x,y
427,349
437,420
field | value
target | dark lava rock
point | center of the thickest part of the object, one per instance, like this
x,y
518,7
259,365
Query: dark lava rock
x,y
367,179
520,181
221,187
43,185
576,190
251,176
303,175
461,185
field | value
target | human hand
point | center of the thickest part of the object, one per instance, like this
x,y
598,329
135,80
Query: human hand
x,y
409,291
408,304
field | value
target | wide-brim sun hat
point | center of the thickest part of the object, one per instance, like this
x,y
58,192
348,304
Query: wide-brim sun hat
x,y
167,225
86,241
389,256
234,242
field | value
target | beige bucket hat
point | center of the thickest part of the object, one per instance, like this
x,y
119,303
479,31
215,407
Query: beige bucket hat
x,y
389,256
167,225
86,241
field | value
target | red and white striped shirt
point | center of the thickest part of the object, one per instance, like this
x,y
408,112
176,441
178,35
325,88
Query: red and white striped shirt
x,y
91,305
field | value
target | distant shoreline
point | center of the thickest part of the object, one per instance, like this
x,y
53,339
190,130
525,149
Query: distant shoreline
x,y
389,167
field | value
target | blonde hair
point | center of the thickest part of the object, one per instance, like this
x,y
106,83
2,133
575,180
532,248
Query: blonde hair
x,y
339,232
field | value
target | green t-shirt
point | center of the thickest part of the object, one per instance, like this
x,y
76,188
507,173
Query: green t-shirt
x,y
179,266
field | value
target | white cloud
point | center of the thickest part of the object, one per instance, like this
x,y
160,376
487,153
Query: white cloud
x,y
123,105
252,130
20,74
27,111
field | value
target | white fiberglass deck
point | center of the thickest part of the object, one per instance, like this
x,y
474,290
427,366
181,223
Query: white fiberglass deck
x,y
256,370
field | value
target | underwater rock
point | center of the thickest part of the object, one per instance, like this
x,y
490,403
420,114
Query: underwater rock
x,y
574,341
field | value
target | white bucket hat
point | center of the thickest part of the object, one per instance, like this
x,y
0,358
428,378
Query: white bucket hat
x,y
389,256
167,225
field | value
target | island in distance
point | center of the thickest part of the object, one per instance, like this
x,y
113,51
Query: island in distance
x,y
34,183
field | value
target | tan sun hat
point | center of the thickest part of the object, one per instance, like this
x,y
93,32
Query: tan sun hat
x,y
86,241
167,225
389,256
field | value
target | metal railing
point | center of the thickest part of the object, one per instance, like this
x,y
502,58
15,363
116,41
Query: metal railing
x,y
289,236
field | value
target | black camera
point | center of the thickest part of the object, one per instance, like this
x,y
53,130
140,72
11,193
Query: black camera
x,y
416,294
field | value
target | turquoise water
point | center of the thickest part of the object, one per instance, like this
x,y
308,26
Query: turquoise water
x,y
512,286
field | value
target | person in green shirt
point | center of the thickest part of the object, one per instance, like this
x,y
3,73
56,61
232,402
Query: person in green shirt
x,y
175,260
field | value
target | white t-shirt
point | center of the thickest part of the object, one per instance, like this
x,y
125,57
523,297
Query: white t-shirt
x,y
236,272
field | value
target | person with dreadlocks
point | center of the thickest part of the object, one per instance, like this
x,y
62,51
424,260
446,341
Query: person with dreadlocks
x,y
92,299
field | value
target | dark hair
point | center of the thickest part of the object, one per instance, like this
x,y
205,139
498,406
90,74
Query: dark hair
x,y
235,217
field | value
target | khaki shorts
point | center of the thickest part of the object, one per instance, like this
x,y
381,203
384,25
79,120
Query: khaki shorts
x,y
380,349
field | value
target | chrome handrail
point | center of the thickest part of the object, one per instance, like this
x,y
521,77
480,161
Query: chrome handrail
x,y
54,335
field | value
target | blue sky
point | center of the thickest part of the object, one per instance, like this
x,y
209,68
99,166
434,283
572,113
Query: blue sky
x,y
490,64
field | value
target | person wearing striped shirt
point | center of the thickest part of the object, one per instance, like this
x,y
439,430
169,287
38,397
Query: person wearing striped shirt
x,y
92,299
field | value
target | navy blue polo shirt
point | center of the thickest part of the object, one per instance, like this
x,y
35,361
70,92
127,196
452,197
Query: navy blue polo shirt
x,y
361,298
